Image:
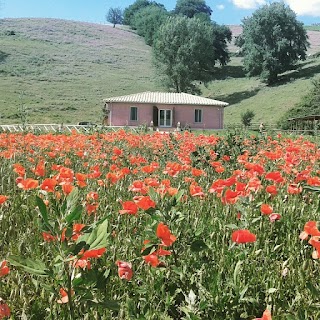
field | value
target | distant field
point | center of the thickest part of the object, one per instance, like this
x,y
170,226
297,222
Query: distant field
x,y
59,71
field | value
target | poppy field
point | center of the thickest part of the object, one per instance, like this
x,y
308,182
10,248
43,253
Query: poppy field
x,y
123,225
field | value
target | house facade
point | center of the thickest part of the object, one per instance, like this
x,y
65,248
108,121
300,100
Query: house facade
x,y
164,111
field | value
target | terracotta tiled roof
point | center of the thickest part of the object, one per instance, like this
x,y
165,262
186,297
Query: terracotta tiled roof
x,y
166,98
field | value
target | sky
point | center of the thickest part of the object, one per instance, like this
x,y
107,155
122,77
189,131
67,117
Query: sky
x,y
229,12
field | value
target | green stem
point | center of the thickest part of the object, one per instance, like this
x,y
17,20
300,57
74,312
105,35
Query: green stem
x,y
70,302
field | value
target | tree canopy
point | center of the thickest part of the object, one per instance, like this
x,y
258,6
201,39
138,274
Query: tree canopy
x,y
148,20
133,9
272,41
191,8
185,52
115,16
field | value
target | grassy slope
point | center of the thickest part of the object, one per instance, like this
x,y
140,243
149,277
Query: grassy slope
x,y
61,70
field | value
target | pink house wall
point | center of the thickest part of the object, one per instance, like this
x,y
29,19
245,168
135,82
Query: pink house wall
x,y
212,116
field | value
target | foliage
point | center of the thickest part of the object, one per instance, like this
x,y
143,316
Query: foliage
x,y
247,117
192,8
134,8
190,226
148,20
272,41
115,16
308,106
186,50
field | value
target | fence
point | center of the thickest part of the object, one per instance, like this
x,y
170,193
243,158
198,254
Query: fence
x,y
59,128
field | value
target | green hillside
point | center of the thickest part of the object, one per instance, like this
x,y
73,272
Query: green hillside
x,y
59,71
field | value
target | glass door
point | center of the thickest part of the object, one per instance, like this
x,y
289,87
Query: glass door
x,y
165,118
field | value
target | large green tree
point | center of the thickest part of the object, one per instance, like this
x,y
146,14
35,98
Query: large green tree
x,y
191,8
115,16
185,53
130,12
148,20
272,41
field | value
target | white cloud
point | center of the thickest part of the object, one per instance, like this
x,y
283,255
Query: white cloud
x,y
220,6
249,4
305,8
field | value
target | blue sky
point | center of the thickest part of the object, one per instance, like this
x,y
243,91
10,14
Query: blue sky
x,y
224,11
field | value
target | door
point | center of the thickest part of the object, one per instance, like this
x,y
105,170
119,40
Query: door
x,y
165,118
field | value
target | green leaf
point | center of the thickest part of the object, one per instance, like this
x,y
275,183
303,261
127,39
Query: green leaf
x,y
72,200
75,214
150,248
179,195
43,211
198,245
98,236
32,266
315,189
109,304
237,271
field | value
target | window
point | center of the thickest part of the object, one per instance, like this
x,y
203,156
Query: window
x,y
133,114
198,115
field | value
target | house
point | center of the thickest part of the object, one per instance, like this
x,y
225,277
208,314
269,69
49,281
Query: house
x,y
164,110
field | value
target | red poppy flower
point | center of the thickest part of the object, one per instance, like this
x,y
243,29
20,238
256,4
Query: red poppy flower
x,y
67,188
275,176
64,296
4,269
144,202
311,228
274,217
243,236
163,233
129,207
272,190
3,199
48,237
4,309
124,270
196,191
152,259
266,209
266,316
49,184
27,184
94,253
19,169
82,263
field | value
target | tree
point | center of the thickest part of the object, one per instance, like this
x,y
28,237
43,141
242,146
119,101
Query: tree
x,y
184,53
115,16
191,8
247,117
148,20
272,41
134,8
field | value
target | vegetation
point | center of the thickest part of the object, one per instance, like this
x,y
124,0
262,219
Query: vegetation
x,y
192,8
134,8
184,52
115,16
247,117
272,41
308,106
81,64
121,225
147,22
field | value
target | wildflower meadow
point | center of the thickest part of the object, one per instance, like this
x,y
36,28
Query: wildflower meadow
x,y
123,225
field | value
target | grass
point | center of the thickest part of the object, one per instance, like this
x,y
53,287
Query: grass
x,y
59,71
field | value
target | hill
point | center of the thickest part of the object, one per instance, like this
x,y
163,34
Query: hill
x,y
58,71
61,70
